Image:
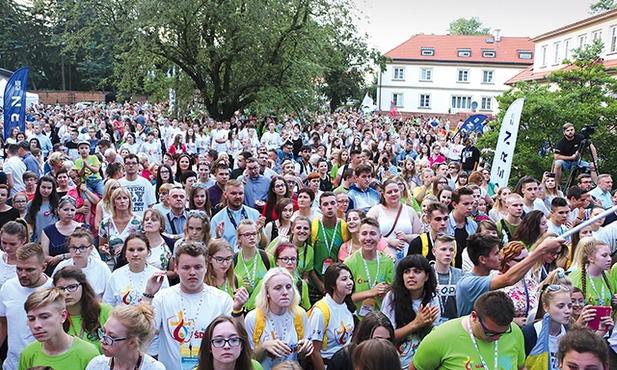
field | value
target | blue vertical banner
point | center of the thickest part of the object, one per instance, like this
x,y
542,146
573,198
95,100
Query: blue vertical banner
x,y
15,102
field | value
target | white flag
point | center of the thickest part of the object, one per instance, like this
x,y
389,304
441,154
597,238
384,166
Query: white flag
x,y
500,170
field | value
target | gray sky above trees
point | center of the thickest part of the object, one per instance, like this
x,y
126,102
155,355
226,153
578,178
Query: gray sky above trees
x,y
391,22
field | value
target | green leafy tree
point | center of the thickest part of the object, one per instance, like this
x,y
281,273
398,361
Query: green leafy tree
x,y
584,94
471,26
601,6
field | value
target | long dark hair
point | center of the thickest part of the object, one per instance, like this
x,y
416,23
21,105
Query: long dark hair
x,y
90,306
529,229
159,180
178,169
329,281
207,206
403,309
37,201
271,202
206,361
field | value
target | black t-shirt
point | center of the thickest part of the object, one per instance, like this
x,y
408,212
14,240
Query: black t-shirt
x,y
568,147
469,157
460,235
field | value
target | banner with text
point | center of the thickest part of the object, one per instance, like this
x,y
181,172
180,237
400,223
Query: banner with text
x,y
15,102
500,170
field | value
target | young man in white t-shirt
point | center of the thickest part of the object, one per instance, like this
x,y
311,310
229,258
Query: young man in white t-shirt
x,y
142,191
184,311
30,277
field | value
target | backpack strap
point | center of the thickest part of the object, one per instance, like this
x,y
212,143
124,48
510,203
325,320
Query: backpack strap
x,y
325,310
424,239
264,258
314,230
260,325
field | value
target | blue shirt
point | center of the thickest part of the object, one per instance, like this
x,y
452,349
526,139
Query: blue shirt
x,y
175,224
604,197
32,164
363,200
256,189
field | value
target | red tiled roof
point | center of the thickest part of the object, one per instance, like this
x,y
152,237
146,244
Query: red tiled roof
x,y
528,73
446,49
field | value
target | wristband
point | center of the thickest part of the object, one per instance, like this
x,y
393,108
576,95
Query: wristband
x,y
146,295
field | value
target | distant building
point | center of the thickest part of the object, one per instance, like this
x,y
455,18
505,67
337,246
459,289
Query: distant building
x,y
553,47
441,74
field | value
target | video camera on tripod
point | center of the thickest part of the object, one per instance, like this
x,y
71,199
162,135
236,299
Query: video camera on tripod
x,y
588,130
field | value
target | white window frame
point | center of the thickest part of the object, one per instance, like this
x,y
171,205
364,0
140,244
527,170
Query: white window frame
x,y
612,39
464,53
582,40
566,49
544,52
556,56
424,101
462,76
489,54
395,75
426,74
461,102
525,54
488,73
486,103
597,34
427,52
398,101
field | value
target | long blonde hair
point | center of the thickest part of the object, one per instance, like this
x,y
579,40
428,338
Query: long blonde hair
x,y
262,302
107,202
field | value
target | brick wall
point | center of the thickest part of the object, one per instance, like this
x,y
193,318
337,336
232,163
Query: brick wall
x,y
72,97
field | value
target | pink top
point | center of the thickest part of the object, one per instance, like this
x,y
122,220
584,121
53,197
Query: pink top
x,y
344,251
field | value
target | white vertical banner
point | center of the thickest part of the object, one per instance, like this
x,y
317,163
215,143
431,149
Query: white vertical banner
x,y
502,162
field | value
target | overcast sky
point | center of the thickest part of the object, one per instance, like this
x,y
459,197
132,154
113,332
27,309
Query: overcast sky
x,y
391,22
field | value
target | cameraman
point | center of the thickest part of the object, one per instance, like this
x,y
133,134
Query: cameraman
x,y
567,155
386,167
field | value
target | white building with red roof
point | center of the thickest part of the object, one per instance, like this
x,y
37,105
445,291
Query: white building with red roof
x,y
440,74
553,47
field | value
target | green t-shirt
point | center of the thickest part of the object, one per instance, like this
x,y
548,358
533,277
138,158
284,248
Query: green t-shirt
x,y
326,243
93,161
76,358
227,288
251,272
93,338
449,347
595,287
355,262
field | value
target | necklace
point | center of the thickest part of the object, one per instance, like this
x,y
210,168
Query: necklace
x,y
111,363
475,344
141,281
190,323
368,275
275,334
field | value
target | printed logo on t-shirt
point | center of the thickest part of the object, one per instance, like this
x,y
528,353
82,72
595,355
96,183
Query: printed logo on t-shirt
x,y
343,334
180,330
130,297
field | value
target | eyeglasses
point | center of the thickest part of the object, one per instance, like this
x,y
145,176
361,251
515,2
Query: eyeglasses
x,y
80,249
249,235
107,340
220,342
452,167
288,260
69,288
199,185
221,260
489,333
442,182
195,212
555,288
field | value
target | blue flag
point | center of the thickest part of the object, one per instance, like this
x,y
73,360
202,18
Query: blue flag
x,y
15,102
473,123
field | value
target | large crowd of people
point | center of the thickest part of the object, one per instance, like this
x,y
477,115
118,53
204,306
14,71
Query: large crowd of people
x,y
131,240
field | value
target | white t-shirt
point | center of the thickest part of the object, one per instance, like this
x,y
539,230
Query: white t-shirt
x,y
271,140
126,288
142,194
340,327
6,271
12,299
283,328
159,256
97,272
182,320
15,167
103,362
407,348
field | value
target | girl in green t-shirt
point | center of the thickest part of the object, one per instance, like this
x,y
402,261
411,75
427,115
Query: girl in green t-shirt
x,y
594,258
220,273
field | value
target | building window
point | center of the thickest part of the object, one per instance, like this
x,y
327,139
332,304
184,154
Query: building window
x,y
582,41
613,40
488,54
487,77
463,75
544,56
464,53
426,74
566,49
556,59
596,35
397,99
399,74
427,52
425,101
525,54
461,102
487,103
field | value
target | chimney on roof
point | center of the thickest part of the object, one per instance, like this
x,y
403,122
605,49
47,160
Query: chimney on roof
x,y
497,36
